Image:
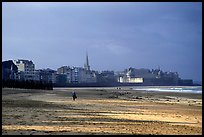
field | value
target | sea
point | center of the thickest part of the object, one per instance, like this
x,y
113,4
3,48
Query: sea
x,y
183,89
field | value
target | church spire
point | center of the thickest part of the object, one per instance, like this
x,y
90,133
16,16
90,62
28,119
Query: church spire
x,y
86,66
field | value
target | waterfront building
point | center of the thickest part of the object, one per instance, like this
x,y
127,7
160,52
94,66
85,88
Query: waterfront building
x,y
130,80
82,75
26,69
61,79
9,70
148,77
106,77
54,77
77,74
133,75
45,75
37,75
67,71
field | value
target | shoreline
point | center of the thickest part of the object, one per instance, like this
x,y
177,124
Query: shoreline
x,y
140,88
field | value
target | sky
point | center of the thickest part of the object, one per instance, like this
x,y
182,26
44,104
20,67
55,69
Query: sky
x,y
116,35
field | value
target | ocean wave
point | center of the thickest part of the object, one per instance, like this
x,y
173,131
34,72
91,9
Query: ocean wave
x,y
173,89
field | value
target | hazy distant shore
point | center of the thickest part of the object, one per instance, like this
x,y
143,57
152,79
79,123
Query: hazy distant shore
x,y
100,111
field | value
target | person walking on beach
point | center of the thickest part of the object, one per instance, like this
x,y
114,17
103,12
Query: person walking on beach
x,y
74,95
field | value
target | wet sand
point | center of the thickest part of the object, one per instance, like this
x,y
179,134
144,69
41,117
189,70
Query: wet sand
x,y
100,111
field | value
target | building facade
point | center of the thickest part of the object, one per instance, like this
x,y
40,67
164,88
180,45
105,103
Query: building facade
x,y
26,69
132,75
148,77
9,70
77,74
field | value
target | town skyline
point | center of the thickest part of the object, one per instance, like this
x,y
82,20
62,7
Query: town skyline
x,y
87,68
115,35
24,70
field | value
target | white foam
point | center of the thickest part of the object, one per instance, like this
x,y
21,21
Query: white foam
x,y
173,89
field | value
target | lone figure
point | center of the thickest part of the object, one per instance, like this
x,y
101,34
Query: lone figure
x,y
74,95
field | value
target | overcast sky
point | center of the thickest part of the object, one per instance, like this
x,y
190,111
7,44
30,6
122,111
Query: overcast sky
x,y
115,35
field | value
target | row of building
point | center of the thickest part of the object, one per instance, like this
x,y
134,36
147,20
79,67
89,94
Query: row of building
x,y
149,77
65,75
25,70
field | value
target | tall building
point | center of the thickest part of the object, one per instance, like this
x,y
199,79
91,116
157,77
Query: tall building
x,y
26,69
46,75
86,65
67,71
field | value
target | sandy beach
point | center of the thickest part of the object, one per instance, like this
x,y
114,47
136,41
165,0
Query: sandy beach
x,y
99,111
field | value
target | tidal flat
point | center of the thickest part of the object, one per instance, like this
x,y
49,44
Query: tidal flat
x,y
100,111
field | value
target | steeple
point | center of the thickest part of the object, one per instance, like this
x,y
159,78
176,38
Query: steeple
x,y
86,66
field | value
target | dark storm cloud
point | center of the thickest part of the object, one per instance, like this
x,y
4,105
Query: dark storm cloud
x,y
116,35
